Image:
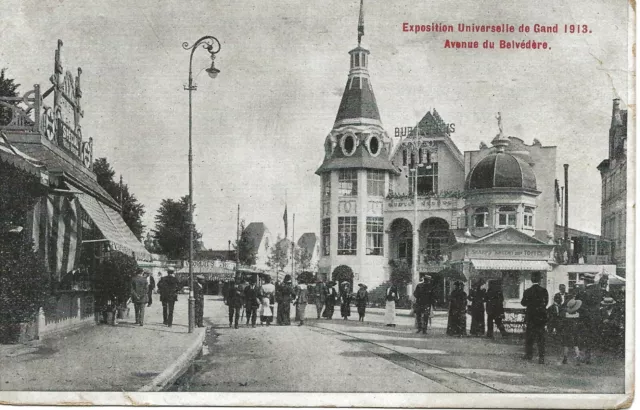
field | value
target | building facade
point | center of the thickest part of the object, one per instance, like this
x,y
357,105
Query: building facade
x,y
613,171
486,214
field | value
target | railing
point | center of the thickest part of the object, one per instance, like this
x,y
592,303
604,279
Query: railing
x,y
22,113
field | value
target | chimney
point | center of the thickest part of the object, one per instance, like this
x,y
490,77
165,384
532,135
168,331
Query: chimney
x,y
566,202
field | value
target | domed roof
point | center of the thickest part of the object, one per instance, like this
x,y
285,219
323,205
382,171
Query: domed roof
x,y
501,170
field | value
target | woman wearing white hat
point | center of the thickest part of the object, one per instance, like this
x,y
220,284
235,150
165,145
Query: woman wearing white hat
x,y
571,328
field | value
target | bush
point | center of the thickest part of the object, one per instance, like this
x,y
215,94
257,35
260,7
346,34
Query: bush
x,y
113,280
400,273
24,281
307,277
343,273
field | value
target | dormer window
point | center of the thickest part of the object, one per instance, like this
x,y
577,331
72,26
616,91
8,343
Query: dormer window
x,y
507,216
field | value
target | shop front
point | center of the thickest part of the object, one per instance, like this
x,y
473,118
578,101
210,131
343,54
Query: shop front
x,y
508,256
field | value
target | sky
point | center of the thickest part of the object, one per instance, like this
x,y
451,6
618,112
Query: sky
x,y
259,128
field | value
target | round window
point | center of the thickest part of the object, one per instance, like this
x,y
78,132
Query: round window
x,y
348,144
374,145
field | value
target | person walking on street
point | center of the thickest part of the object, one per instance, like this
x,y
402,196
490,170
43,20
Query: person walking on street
x,y
139,292
302,294
495,308
284,296
457,321
235,299
477,298
267,298
554,318
571,328
362,298
535,300
198,294
590,316
390,306
320,292
345,300
424,301
251,302
331,296
152,286
168,288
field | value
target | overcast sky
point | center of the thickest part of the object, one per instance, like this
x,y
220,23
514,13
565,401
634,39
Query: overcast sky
x,y
259,127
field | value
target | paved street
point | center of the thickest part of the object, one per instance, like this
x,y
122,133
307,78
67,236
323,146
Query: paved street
x,y
347,356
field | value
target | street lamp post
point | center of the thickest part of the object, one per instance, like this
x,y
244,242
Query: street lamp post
x,y
212,45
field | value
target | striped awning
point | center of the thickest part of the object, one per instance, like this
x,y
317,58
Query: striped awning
x,y
510,264
112,227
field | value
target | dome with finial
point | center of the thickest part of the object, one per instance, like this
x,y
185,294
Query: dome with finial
x,y
501,169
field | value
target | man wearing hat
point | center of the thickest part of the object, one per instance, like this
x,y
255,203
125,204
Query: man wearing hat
x,y
139,290
320,292
612,323
591,299
362,298
284,297
330,299
198,294
424,300
168,287
535,300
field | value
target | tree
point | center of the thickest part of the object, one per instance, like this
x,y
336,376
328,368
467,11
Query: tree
x,y
306,277
279,257
303,258
8,88
172,228
400,273
132,210
246,252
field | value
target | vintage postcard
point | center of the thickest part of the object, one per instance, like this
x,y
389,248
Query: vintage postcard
x,y
346,203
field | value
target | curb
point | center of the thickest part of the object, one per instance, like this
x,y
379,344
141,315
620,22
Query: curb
x,y
178,367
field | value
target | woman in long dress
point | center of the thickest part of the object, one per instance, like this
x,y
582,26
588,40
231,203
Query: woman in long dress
x,y
390,306
267,299
477,297
457,323
345,298
330,300
362,297
302,294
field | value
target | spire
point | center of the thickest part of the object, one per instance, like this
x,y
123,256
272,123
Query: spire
x,y
361,23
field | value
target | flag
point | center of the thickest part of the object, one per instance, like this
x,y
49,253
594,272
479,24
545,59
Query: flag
x,y
361,22
285,219
557,192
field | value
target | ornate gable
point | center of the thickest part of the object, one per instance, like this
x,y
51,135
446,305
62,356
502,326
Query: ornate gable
x,y
509,236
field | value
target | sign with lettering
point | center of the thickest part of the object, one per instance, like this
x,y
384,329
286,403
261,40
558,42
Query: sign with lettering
x,y
507,252
68,139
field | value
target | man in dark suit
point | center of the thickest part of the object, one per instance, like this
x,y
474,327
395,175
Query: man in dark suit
x,y
535,300
198,294
152,286
424,300
168,287
589,313
139,291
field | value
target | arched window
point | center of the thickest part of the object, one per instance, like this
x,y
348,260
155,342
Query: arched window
x,y
437,246
481,217
507,216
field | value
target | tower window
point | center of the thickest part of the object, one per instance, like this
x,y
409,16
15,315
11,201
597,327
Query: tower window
x,y
481,217
326,185
347,235
375,182
348,182
528,217
326,236
404,158
405,246
357,56
374,145
507,216
375,232
348,143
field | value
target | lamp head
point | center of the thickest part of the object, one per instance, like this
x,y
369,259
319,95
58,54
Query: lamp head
x,y
212,71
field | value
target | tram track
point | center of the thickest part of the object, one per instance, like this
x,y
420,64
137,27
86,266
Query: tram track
x,y
454,381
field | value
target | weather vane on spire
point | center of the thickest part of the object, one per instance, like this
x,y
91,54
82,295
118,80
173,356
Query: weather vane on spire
x,y
361,23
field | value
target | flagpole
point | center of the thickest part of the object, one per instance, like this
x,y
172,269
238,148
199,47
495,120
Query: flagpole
x,y
293,249
238,241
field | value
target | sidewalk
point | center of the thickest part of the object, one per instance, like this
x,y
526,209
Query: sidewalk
x,y
125,357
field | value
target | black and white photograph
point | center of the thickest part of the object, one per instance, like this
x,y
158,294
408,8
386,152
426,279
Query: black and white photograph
x,y
338,203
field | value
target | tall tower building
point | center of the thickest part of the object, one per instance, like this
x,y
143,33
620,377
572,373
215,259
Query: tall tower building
x,y
355,180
